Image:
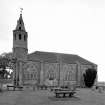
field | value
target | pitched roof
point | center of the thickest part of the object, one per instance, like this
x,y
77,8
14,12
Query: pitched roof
x,y
43,56
57,57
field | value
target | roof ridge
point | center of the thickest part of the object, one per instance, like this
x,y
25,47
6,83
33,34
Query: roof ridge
x,y
53,53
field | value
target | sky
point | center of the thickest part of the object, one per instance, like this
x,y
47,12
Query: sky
x,y
63,26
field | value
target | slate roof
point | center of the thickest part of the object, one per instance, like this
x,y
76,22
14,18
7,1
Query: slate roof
x,y
53,57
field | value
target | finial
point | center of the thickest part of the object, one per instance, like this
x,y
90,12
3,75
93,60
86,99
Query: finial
x,y
21,9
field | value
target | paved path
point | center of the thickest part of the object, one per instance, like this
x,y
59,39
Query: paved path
x,y
42,97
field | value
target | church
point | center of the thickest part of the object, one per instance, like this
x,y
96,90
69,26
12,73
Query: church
x,y
45,68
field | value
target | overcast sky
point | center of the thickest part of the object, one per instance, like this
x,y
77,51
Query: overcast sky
x,y
64,26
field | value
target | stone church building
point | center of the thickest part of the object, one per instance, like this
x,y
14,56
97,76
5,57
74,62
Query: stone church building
x,y
47,68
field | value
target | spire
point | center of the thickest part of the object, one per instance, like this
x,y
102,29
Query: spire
x,y
21,9
20,23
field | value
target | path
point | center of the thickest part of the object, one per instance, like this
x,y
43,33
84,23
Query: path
x,y
42,97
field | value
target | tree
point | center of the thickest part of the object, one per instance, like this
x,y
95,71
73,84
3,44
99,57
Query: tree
x,y
5,62
89,77
6,65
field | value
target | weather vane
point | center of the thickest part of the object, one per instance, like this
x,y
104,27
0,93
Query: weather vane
x,y
21,9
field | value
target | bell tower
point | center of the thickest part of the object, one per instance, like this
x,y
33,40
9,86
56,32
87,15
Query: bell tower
x,y
20,36
20,50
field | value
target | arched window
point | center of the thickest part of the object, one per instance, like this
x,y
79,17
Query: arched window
x,y
19,28
24,38
51,75
20,22
68,76
19,36
31,76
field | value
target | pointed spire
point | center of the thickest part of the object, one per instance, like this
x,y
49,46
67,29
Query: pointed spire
x,y
20,23
21,9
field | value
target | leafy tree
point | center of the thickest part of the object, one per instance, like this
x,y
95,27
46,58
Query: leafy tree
x,y
89,77
5,62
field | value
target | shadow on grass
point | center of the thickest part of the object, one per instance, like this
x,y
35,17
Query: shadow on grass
x,y
73,98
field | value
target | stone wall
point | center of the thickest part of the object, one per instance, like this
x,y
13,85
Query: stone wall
x,y
67,74
51,72
20,53
31,72
43,72
59,73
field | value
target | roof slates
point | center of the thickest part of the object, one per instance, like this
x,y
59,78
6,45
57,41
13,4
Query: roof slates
x,y
57,57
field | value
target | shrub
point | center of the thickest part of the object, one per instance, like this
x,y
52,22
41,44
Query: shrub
x,y
89,77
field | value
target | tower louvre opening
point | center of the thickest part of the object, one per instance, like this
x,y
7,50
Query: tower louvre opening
x,y
19,28
19,36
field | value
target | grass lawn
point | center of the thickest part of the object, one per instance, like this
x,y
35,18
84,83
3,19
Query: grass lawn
x,y
45,97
